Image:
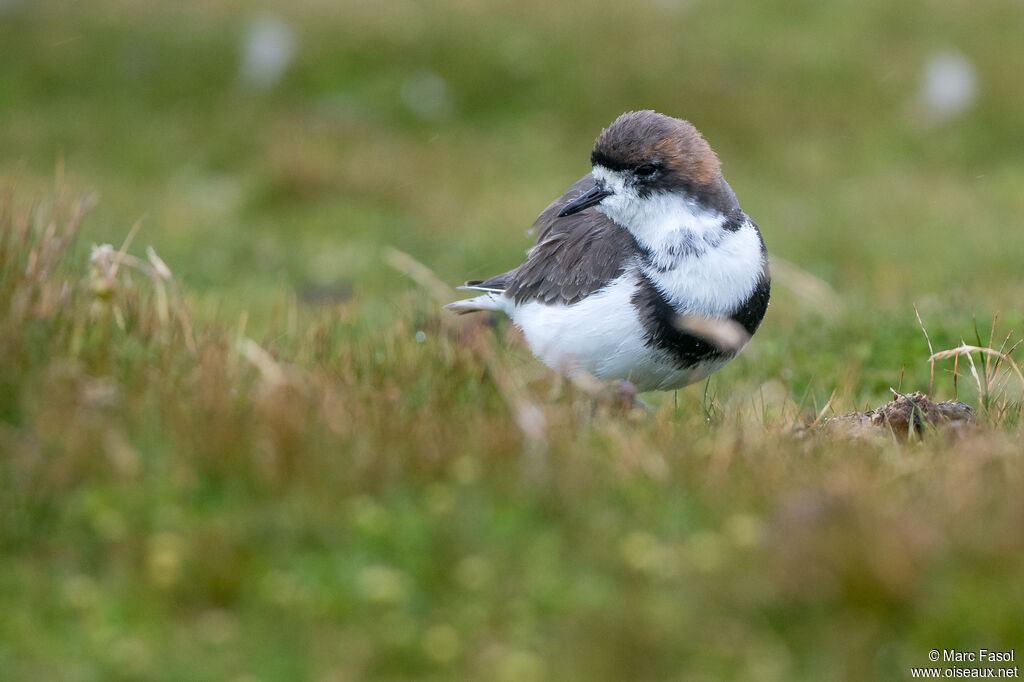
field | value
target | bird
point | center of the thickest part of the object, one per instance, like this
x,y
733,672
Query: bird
x,y
646,270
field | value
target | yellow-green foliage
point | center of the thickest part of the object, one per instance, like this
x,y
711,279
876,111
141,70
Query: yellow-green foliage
x,y
244,443
183,500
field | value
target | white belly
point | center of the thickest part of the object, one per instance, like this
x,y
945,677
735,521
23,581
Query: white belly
x,y
602,335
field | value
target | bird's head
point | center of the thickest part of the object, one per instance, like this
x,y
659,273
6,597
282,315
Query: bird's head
x,y
643,157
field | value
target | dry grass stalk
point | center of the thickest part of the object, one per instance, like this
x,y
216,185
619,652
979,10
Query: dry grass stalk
x,y
419,273
990,382
931,352
106,264
813,291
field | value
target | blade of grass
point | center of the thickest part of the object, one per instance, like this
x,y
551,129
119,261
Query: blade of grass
x,y
931,351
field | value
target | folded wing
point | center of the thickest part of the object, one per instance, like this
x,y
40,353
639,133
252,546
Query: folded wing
x,y
574,255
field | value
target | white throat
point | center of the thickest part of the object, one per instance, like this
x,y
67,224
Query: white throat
x,y
663,223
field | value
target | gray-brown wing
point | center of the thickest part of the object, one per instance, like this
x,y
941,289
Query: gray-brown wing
x,y
548,220
574,256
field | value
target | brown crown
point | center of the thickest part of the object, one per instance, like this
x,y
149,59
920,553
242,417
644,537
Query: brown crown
x,y
639,137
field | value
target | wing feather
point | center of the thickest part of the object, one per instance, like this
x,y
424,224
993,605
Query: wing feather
x,y
573,257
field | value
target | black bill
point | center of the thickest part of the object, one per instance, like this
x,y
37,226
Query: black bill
x,y
595,195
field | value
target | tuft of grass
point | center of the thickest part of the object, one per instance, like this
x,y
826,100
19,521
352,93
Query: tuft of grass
x,y
996,398
185,495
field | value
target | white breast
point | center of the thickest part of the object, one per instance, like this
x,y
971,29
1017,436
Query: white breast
x,y
601,335
701,267
715,281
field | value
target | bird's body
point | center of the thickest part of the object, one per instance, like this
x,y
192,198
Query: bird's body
x,y
646,269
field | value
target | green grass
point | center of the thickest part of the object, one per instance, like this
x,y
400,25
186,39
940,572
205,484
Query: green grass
x,y
284,462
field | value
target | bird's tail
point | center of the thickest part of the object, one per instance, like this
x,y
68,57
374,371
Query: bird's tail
x,y
492,299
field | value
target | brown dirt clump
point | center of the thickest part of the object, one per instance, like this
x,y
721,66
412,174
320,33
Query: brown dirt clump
x,y
910,412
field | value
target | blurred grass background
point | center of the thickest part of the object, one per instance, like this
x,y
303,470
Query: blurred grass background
x,y
273,153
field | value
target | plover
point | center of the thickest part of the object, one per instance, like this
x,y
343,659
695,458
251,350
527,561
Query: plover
x,y
645,270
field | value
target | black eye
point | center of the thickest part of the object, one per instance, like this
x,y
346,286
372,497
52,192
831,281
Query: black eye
x,y
646,170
